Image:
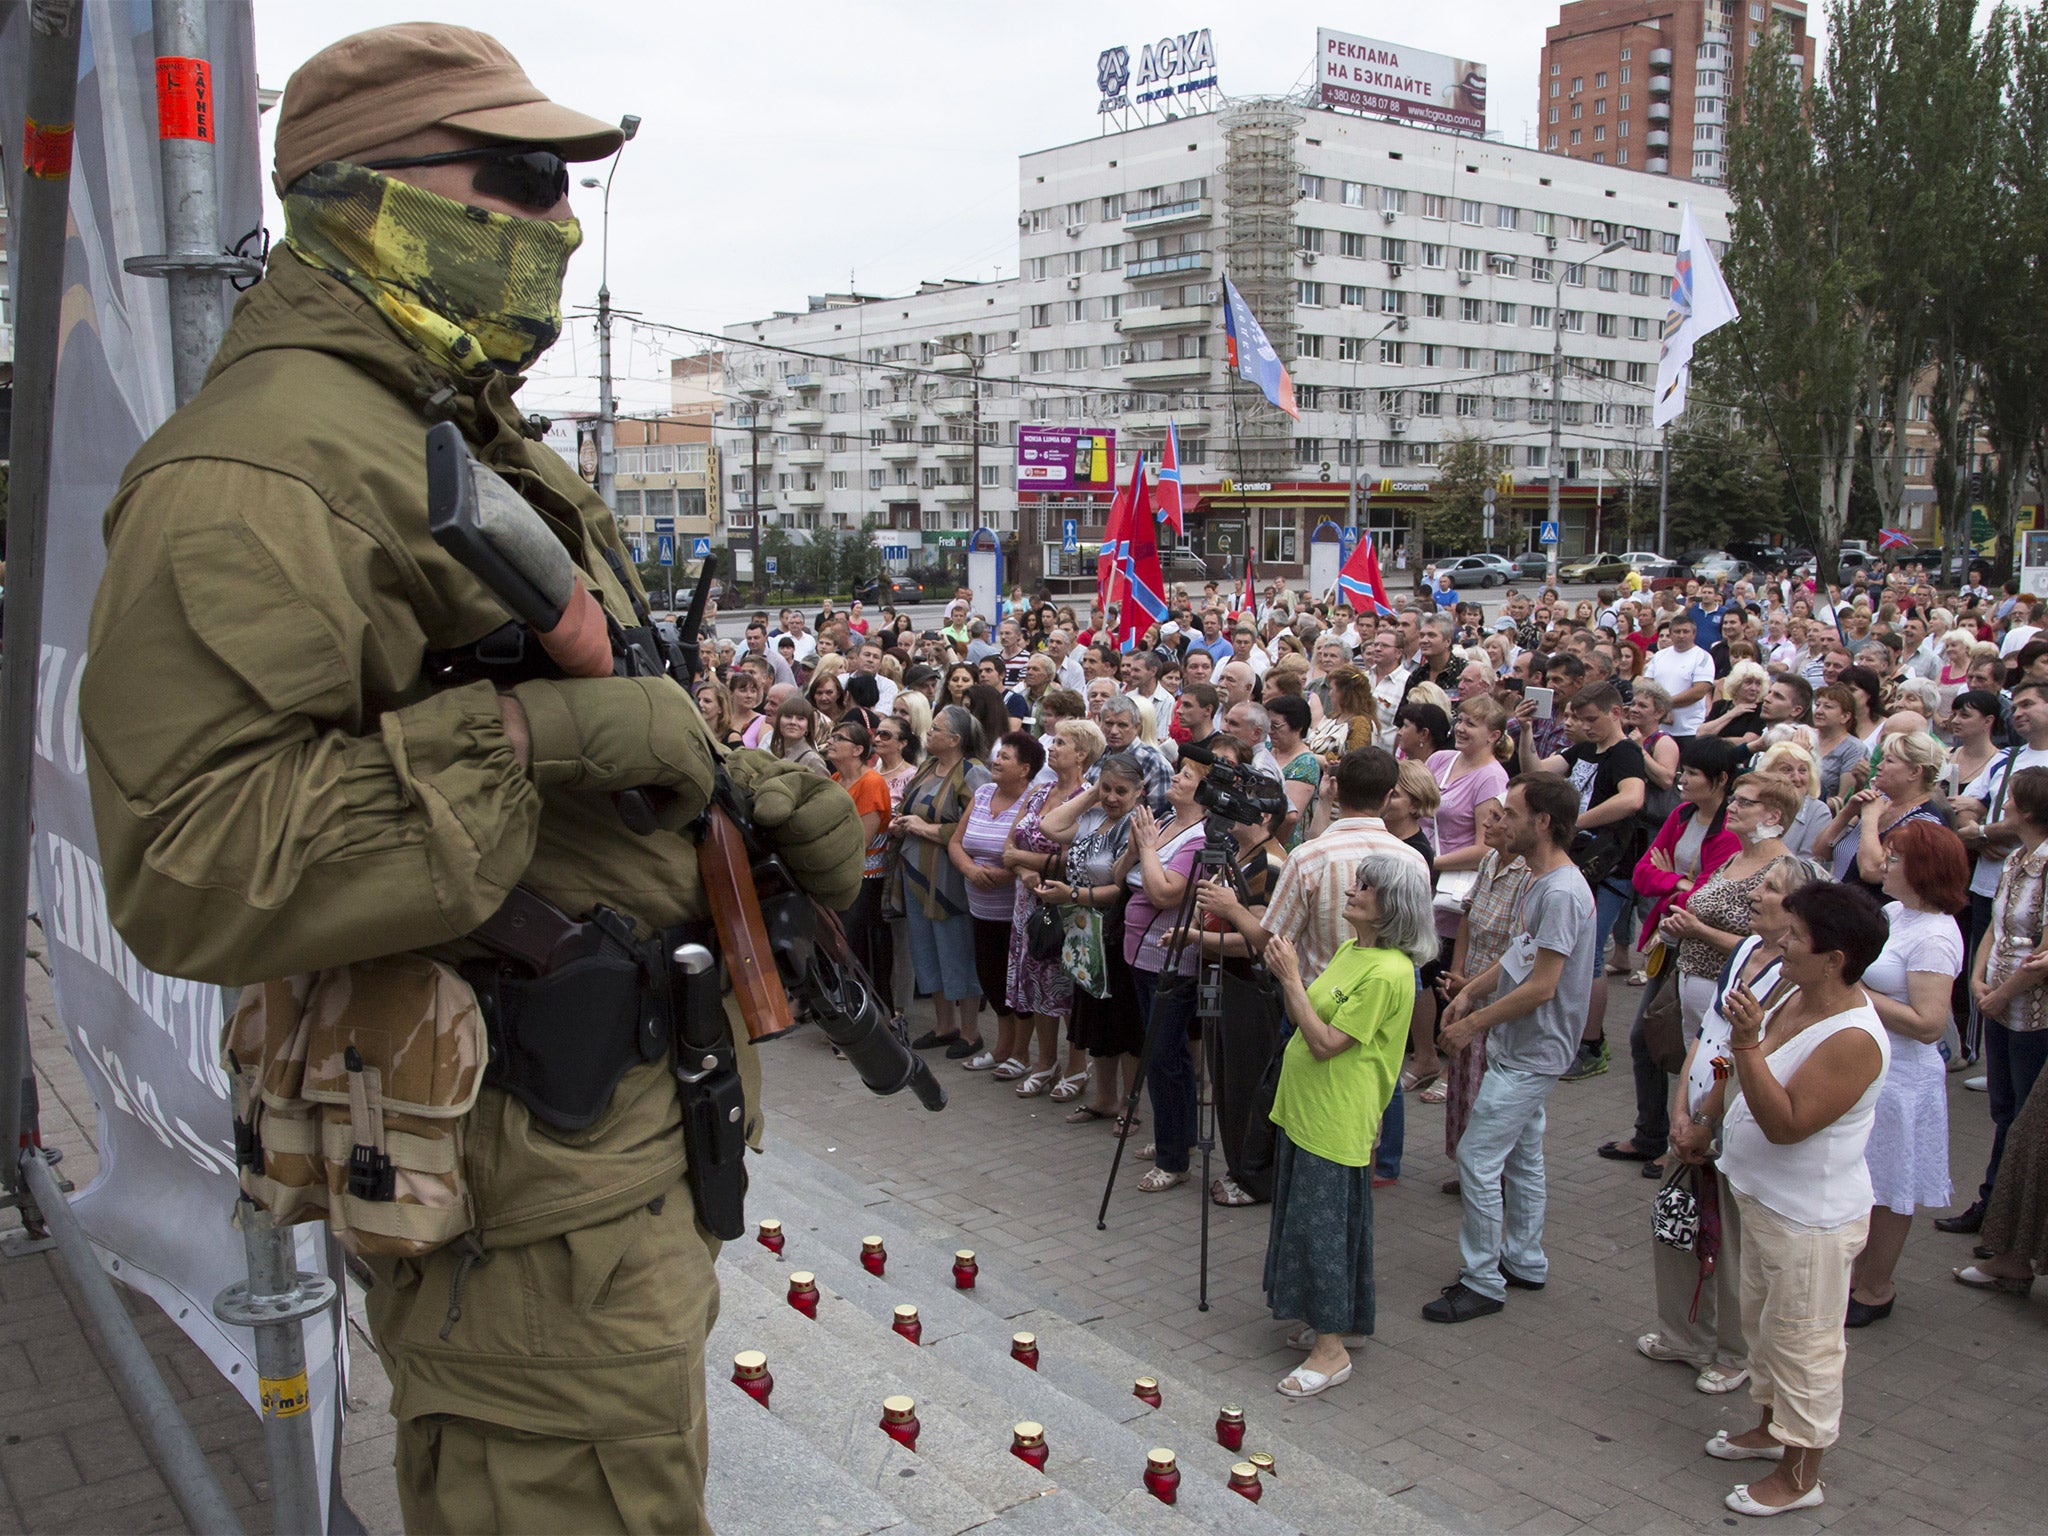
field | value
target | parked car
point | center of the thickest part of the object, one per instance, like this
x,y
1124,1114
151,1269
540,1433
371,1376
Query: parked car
x,y
1533,566
1768,559
1717,566
896,590
1594,568
1477,570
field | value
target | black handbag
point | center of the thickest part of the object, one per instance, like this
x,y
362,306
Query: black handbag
x,y
1044,932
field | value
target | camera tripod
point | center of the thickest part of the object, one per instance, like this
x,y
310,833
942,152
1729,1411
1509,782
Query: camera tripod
x,y
1217,861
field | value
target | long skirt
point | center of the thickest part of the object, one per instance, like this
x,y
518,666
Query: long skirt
x,y
1112,1025
1319,1246
1461,1090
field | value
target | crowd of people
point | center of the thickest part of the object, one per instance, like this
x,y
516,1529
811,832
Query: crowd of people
x,y
1802,831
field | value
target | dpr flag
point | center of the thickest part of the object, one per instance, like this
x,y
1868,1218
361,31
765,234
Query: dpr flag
x,y
1251,354
1360,584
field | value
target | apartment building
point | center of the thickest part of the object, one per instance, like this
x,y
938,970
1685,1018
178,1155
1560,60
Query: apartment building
x,y
902,409
667,479
1647,83
1413,279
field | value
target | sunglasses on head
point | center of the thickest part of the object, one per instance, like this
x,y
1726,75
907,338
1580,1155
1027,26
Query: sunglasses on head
x,y
519,173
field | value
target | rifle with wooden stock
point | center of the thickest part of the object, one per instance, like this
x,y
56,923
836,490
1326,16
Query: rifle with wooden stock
x,y
777,942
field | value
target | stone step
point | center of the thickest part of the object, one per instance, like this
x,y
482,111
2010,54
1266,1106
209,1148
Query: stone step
x,y
764,1476
841,1366
826,1211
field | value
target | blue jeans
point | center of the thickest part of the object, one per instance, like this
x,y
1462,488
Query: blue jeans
x,y
1393,1137
1500,1181
1170,1074
1613,897
2012,1061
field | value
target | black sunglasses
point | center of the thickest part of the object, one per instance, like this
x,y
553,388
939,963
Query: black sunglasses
x,y
519,173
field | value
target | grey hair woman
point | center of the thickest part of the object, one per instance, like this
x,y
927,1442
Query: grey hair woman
x,y
1337,1076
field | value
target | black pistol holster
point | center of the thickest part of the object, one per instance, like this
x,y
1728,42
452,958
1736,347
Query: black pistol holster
x,y
572,1006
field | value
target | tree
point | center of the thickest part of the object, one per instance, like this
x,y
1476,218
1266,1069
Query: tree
x,y
1453,519
1801,259
2011,345
1725,484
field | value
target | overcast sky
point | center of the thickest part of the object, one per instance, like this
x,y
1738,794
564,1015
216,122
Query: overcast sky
x,y
792,148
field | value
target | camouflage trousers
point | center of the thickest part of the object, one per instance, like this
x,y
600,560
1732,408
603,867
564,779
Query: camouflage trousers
x,y
568,1394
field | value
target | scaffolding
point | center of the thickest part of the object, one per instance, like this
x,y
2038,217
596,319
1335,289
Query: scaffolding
x,y
1261,183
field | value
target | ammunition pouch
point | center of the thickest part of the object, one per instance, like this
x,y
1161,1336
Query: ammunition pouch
x,y
569,1016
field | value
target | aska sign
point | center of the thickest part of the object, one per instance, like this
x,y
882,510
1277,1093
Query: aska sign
x,y
1177,65
1066,459
1363,74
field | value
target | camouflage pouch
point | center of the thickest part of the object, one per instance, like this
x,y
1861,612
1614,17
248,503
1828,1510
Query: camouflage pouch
x,y
358,1110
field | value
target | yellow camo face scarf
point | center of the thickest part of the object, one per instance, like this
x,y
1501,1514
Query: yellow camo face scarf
x,y
475,291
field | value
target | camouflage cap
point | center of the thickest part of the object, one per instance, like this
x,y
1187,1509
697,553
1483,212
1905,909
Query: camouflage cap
x,y
382,85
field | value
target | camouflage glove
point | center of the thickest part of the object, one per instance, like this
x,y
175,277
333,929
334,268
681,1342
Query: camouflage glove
x,y
610,733
810,820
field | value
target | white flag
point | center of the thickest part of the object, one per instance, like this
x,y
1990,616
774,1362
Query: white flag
x,y
1700,305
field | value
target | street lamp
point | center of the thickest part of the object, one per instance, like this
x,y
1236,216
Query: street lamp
x,y
607,408
1557,389
1398,323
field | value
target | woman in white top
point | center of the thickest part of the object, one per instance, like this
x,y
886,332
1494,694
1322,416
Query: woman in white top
x,y
1792,1151
1701,1324
1910,984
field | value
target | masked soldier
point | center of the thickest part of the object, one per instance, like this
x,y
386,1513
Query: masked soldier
x,y
296,775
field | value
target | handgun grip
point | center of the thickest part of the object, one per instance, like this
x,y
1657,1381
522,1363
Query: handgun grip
x,y
728,877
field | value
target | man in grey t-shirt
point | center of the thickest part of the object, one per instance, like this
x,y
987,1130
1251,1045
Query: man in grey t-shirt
x,y
1529,1006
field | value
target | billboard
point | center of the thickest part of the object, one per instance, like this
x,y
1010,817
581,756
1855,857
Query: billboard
x,y
1066,459
1363,74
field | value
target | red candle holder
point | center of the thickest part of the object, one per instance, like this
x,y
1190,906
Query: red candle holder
x,y
1261,1462
770,1236
907,1324
1230,1428
1027,1443
899,1421
1244,1481
750,1375
1162,1477
1024,1350
803,1292
965,1269
1146,1390
873,1256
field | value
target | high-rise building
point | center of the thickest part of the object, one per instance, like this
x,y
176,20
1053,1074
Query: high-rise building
x,y
1646,83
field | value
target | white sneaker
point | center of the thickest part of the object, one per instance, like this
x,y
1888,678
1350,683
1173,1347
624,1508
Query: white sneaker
x,y
1978,1084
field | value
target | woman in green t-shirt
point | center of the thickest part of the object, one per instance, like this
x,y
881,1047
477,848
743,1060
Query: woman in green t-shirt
x,y
1339,1071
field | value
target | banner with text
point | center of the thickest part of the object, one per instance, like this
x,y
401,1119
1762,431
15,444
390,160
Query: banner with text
x,y
159,1211
1363,74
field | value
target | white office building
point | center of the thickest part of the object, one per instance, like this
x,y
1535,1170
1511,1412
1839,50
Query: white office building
x,y
1413,280
900,409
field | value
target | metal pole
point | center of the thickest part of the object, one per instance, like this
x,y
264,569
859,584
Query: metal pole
x,y
1664,492
39,295
607,409
274,1302
1556,420
194,266
754,495
148,1400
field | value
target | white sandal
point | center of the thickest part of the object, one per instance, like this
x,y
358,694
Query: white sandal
x,y
1721,1448
1068,1089
1159,1179
1303,1382
1010,1071
1740,1501
1036,1083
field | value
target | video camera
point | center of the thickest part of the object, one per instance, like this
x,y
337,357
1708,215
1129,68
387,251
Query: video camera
x,y
1234,792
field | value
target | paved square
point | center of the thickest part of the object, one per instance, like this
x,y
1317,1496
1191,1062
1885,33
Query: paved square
x,y
1542,1419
